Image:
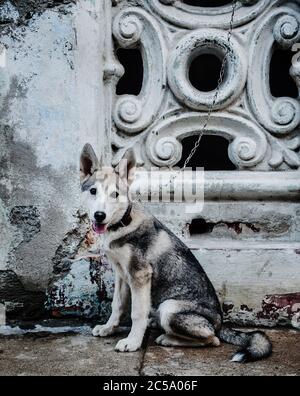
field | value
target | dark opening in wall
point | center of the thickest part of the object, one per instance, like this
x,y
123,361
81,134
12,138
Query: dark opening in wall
x,y
132,81
205,72
212,153
207,3
281,82
200,227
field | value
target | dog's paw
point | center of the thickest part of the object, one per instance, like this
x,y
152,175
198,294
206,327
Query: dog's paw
x,y
163,340
127,345
103,331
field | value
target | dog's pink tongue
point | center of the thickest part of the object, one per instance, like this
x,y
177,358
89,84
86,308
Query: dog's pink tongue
x,y
99,229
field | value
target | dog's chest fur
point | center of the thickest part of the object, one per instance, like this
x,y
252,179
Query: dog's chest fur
x,y
131,250
119,256
114,254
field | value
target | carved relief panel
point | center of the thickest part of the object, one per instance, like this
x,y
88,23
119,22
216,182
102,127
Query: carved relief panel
x,y
262,130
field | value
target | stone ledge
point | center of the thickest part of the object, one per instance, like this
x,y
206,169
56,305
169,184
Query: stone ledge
x,y
227,186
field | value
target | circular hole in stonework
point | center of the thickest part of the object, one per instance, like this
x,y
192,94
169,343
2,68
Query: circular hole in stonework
x,y
205,72
207,3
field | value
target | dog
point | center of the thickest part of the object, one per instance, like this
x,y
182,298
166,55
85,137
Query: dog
x,y
155,268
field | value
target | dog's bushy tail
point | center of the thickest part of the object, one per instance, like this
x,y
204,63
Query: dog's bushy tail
x,y
255,345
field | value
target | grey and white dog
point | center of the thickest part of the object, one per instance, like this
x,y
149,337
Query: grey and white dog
x,y
156,268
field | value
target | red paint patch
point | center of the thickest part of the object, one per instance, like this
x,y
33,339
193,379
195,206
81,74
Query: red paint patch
x,y
273,305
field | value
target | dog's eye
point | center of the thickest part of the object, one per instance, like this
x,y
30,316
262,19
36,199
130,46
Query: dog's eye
x,y
93,191
114,195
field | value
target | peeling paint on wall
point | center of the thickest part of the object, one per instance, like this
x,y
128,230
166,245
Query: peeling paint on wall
x,y
281,308
276,310
86,290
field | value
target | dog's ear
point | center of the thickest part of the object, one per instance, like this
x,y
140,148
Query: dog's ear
x,y
127,166
88,162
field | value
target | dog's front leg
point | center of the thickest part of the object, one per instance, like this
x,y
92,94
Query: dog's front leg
x,y
119,305
141,304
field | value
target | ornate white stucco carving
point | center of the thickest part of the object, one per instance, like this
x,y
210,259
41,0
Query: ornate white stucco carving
x,y
263,131
247,149
205,41
132,28
278,115
189,17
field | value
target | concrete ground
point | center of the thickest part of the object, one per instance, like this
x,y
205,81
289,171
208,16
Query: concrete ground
x,y
43,353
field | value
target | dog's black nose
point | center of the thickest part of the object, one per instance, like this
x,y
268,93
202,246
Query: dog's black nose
x,y
100,217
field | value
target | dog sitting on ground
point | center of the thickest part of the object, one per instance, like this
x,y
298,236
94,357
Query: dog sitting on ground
x,y
155,268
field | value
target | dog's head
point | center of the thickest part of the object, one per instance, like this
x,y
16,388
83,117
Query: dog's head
x,y
104,189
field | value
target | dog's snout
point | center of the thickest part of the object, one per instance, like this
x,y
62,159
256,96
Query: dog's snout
x,y
100,217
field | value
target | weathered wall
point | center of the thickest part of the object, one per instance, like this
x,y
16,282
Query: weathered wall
x,y
50,102
58,74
